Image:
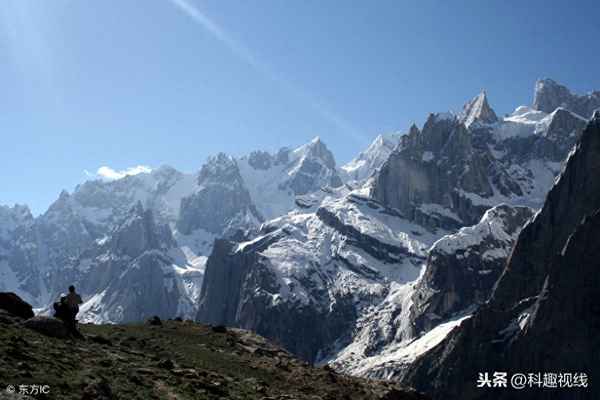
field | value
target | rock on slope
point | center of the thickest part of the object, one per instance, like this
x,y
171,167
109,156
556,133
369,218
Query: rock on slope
x,y
544,314
174,360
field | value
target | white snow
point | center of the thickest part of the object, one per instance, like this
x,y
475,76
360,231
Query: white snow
x,y
427,156
371,159
401,354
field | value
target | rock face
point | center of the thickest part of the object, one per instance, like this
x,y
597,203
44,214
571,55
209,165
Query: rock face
x,y
478,110
462,268
133,274
550,95
306,279
543,315
457,278
15,305
450,172
221,202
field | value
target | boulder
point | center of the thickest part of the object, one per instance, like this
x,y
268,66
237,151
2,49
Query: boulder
x,y
15,305
48,326
154,321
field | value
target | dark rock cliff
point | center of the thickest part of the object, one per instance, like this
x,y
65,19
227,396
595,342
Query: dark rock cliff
x,y
544,314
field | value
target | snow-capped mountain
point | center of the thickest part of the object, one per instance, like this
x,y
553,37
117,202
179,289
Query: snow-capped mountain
x,y
327,284
367,267
370,160
456,167
550,95
457,277
135,272
306,278
40,257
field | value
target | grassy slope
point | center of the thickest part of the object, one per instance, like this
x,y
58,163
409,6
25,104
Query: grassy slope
x,y
179,360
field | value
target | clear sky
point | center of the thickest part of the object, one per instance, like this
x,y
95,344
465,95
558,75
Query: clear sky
x,y
121,83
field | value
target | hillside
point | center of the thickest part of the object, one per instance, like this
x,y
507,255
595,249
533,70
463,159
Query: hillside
x,y
175,360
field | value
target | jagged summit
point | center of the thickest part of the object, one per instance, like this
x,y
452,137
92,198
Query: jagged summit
x,y
317,149
371,159
478,110
549,95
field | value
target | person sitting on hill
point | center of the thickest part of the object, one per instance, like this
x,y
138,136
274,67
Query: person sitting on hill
x,y
61,309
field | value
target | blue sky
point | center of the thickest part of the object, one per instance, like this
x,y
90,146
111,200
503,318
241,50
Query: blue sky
x,y
120,83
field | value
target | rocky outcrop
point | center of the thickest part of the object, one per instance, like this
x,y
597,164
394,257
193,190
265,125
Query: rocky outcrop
x,y
131,275
14,305
478,110
313,166
221,204
431,168
48,326
550,95
238,290
543,315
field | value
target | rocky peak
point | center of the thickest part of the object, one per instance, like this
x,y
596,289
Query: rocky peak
x,y
219,169
220,202
13,217
545,297
549,95
311,167
371,159
316,149
478,110
260,160
138,233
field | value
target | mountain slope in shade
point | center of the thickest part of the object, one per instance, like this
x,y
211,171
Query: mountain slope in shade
x,y
543,315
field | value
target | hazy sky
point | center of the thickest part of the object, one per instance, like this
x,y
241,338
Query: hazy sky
x,y
122,83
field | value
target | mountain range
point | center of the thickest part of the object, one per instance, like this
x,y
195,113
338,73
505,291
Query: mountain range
x,y
461,237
